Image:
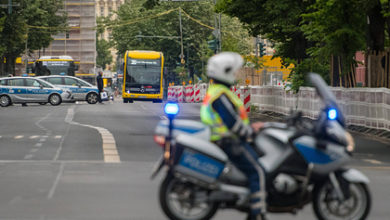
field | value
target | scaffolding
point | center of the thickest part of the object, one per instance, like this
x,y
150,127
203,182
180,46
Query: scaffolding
x,y
80,41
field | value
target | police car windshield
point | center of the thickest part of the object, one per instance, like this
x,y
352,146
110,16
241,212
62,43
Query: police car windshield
x,y
45,84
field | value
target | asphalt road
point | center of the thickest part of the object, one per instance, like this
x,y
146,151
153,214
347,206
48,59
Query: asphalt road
x,y
80,161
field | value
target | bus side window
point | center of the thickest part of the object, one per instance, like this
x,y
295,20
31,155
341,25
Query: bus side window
x,y
37,69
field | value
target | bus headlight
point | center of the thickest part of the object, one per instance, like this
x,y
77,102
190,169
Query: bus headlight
x,y
350,142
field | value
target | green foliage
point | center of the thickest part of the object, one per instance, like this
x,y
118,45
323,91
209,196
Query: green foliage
x,y
134,19
235,37
104,56
308,32
299,73
17,27
276,20
336,27
2,20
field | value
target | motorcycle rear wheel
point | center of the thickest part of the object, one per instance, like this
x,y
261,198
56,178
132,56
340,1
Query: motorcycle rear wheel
x,y
172,191
327,206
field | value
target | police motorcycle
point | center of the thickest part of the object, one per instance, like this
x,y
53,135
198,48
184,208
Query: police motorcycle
x,y
304,163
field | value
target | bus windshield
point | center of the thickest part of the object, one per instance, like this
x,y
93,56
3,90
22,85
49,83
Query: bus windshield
x,y
56,67
143,72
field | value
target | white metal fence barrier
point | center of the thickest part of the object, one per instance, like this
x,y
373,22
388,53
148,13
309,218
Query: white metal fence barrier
x,y
361,106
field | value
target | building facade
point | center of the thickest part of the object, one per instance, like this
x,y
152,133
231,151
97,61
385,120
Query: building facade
x,y
80,41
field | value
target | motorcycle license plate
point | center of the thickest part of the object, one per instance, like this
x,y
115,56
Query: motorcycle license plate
x,y
201,164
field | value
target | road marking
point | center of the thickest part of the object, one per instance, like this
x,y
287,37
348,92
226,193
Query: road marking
x,y
57,136
19,136
110,152
42,140
374,168
38,145
163,117
34,150
372,161
34,136
40,120
56,181
143,107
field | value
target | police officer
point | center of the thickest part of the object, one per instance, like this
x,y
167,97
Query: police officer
x,y
225,113
99,82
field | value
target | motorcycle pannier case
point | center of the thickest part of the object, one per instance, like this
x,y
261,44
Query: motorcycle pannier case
x,y
198,159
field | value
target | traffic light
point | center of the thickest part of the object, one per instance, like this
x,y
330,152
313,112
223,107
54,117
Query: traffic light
x,y
212,44
262,49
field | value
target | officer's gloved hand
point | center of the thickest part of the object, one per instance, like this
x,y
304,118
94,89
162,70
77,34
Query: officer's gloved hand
x,y
257,126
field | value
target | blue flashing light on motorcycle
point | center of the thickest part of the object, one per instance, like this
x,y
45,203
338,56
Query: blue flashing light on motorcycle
x,y
332,114
171,109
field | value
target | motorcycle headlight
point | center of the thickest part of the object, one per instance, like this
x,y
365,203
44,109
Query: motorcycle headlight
x,y
350,142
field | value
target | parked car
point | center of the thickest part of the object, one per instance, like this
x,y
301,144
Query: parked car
x,y
31,90
81,90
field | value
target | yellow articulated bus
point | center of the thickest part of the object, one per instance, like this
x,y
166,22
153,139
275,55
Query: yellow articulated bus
x,y
143,76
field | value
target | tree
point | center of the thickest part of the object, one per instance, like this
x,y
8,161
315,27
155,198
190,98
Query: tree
x,y
136,25
336,27
104,56
34,21
2,46
277,20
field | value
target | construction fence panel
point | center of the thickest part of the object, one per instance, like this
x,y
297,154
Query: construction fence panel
x,y
369,107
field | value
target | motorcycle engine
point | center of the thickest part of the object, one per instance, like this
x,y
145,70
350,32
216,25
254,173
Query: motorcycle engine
x,y
284,183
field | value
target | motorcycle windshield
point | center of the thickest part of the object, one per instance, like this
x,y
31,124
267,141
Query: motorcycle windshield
x,y
326,95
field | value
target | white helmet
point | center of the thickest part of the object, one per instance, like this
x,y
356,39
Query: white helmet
x,y
223,67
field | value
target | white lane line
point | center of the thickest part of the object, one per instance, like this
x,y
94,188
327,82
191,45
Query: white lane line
x,y
143,107
19,136
110,152
372,161
38,145
34,150
57,136
40,120
163,117
42,140
56,181
34,136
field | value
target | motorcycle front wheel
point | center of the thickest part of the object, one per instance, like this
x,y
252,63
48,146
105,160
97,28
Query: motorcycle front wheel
x,y
185,201
327,206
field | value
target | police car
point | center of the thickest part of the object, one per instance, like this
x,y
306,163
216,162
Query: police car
x,y
81,90
31,90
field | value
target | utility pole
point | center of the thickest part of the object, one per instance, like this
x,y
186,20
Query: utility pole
x,y
26,52
181,40
217,21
